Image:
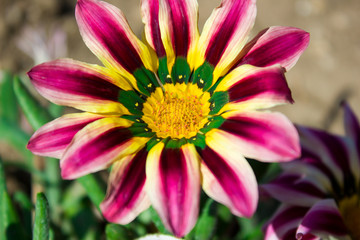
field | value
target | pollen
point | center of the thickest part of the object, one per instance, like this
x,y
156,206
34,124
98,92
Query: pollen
x,y
178,111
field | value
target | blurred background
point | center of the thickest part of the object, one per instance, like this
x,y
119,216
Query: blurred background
x,y
328,70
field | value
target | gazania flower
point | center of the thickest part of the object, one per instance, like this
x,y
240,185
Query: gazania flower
x,y
172,113
320,192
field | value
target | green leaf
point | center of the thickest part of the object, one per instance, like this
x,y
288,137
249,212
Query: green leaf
x,y
14,136
116,232
9,220
8,104
34,112
206,225
41,225
26,208
93,188
53,190
37,116
249,229
55,110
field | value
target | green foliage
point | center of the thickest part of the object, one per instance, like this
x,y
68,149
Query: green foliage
x,y
10,227
206,225
35,114
93,188
41,225
115,232
8,103
157,221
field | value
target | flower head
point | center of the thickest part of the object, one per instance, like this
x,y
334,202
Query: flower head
x,y
320,191
174,113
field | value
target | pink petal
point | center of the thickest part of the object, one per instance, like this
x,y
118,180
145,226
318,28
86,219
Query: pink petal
x,y
228,178
264,136
332,151
173,186
170,24
224,34
108,35
126,196
323,220
53,138
97,146
352,129
295,189
255,88
83,86
276,45
283,225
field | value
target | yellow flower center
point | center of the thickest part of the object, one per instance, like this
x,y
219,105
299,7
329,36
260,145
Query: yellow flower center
x,y
350,211
177,111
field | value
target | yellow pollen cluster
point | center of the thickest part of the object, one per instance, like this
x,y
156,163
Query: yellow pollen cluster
x,y
178,112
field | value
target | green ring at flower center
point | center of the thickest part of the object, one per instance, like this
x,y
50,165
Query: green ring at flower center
x,y
178,111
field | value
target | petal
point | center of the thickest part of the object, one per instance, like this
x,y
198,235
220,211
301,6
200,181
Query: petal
x,y
351,123
225,33
323,220
170,26
108,35
264,136
53,138
252,88
126,196
352,129
276,45
86,87
173,186
331,150
314,174
158,237
283,225
228,178
97,146
294,189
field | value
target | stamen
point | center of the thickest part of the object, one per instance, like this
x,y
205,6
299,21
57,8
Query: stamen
x,y
179,113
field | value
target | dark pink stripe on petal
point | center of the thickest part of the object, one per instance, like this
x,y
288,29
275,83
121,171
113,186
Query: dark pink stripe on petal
x,y
294,189
173,186
125,195
53,138
276,45
174,179
88,156
227,29
72,78
180,24
268,136
269,81
155,28
323,218
108,32
284,223
310,159
334,151
229,181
